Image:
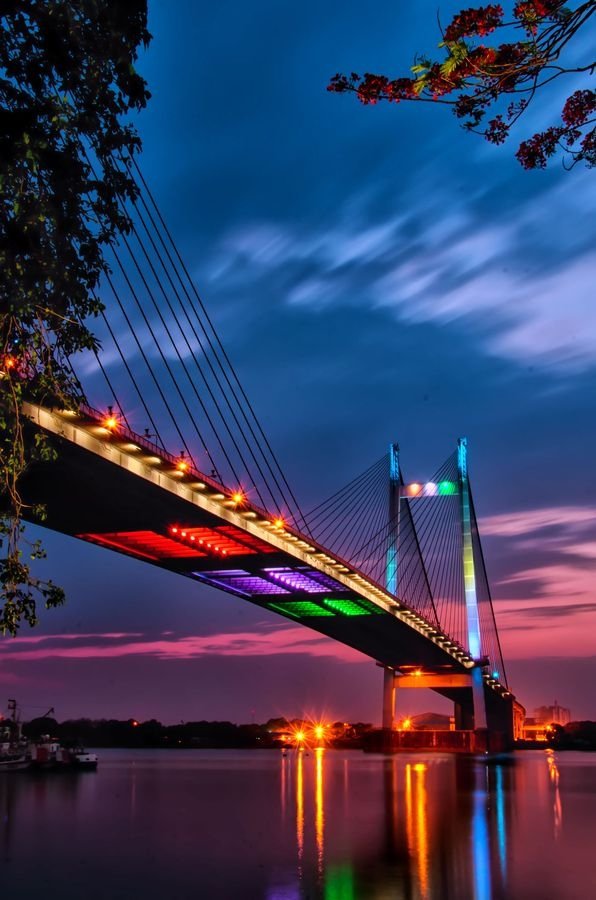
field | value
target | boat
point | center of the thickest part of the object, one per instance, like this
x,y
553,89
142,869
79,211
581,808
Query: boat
x,y
82,759
15,755
14,762
48,753
41,755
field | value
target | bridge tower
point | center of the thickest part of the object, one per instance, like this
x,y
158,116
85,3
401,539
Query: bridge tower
x,y
391,575
471,710
469,573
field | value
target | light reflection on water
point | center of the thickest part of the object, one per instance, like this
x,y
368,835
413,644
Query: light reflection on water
x,y
319,824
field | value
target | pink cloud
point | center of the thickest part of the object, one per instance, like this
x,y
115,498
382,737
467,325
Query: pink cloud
x,y
293,639
11,678
108,635
560,580
514,524
528,631
561,621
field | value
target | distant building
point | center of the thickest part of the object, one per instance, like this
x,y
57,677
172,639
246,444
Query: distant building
x,y
557,715
427,722
538,726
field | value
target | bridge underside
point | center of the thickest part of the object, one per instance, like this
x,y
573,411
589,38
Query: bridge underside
x,y
117,491
100,501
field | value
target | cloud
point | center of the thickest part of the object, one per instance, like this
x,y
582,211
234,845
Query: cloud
x,y
551,605
11,678
556,580
55,638
552,611
442,261
529,521
289,640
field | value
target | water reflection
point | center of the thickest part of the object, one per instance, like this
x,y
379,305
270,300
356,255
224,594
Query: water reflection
x,y
300,809
480,836
318,825
501,822
553,771
417,824
443,834
320,809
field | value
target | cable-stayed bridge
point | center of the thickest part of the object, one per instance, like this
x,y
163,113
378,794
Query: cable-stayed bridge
x,y
172,467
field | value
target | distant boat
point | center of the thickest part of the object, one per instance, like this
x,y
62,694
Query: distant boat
x,y
14,750
14,762
82,759
42,755
48,753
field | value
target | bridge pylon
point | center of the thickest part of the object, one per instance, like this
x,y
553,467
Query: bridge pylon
x,y
471,597
392,576
476,711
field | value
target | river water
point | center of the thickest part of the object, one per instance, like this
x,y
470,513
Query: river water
x,y
325,824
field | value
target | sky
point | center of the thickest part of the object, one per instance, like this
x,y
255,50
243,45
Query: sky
x,y
404,280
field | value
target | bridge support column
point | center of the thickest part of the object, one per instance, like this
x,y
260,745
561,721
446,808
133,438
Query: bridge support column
x,y
392,556
388,699
464,716
481,736
472,616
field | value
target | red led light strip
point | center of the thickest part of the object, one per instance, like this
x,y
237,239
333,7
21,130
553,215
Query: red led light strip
x,y
145,544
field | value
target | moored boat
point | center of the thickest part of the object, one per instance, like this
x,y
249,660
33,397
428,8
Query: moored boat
x,y
14,762
41,755
14,749
82,759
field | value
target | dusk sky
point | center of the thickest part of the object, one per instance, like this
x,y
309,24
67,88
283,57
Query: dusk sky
x,y
375,274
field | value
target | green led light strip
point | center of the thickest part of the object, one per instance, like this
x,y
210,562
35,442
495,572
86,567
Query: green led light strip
x,y
300,609
345,607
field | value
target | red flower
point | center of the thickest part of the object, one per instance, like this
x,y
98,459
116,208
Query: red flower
x,y
534,153
497,131
474,21
579,107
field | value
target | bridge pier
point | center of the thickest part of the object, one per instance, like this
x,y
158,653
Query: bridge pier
x,y
487,716
388,699
464,715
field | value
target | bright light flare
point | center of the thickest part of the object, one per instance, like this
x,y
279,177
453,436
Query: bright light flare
x,y
238,497
279,523
110,422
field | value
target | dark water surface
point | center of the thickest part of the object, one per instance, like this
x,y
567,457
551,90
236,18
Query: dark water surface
x,y
328,824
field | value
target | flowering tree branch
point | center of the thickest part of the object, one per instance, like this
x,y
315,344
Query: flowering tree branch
x,y
475,77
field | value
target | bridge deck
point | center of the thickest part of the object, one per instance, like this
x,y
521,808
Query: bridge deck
x,y
114,490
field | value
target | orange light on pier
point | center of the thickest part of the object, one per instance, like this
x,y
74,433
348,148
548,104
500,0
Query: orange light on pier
x,y
182,465
319,732
238,497
279,523
110,421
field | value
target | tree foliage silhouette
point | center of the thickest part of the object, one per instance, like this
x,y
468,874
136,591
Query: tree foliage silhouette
x,y
504,76
67,85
